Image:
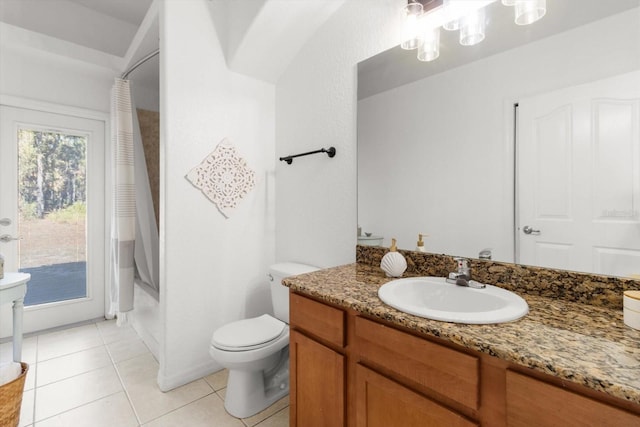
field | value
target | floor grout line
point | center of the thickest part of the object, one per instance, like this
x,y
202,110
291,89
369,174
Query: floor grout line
x,y
124,388
34,368
72,409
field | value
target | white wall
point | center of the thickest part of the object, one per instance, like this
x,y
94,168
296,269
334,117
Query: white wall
x,y
42,68
316,107
213,270
436,155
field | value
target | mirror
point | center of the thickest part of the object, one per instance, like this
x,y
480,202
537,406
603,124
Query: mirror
x,y
436,140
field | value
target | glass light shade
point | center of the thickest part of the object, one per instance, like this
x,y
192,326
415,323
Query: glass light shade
x,y
430,47
449,7
508,2
472,28
452,25
410,38
529,11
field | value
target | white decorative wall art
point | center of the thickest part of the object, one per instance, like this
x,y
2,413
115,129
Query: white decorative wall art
x,y
224,177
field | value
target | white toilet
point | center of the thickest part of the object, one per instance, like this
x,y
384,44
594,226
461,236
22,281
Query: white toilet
x,y
256,350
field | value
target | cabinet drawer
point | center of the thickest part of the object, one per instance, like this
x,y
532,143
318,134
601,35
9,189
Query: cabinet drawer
x,y
448,372
320,320
531,402
381,402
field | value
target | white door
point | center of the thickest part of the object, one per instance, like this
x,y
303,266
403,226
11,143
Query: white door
x,y
52,200
579,177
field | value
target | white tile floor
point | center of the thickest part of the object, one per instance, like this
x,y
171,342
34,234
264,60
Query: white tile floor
x,y
102,375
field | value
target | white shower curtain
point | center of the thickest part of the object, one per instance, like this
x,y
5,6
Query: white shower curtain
x,y
133,248
147,247
123,213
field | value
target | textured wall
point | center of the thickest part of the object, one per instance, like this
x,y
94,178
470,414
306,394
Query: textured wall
x,y
212,269
316,107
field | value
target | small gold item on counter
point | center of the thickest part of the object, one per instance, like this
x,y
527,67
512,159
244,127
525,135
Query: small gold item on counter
x,y
420,243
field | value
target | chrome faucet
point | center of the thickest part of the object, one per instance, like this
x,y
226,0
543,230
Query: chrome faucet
x,y
462,277
463,273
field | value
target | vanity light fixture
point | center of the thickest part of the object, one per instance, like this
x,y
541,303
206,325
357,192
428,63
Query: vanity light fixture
x,y
410,39
529,11
452,25
429,48
472,28
422,23
452,22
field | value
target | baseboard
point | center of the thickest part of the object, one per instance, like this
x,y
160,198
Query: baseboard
x,y
149,340
167,383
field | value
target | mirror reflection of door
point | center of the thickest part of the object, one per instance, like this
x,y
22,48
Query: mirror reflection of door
x,y
52,193
579,177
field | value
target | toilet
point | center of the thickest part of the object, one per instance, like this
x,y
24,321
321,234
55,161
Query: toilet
x,y
256,350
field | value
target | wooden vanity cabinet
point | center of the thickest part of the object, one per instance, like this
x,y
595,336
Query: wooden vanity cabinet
x,y
317,364
451,374
382,402
531,402
404,380
317,383
348,370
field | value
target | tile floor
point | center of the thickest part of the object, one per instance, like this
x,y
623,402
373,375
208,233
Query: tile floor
x,y
102,375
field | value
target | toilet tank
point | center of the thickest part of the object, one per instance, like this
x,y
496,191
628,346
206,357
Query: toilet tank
x,y
279,292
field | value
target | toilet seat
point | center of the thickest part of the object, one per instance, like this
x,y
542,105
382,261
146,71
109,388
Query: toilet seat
x,y
248,334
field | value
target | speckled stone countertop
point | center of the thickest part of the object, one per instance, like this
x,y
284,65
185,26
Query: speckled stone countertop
x,y
582,343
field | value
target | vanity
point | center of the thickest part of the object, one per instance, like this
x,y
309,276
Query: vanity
x,y
357,362
442,150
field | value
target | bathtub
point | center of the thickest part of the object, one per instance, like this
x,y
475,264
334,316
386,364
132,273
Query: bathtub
x,y
145,317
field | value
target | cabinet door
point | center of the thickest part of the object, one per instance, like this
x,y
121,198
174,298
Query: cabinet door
x,y
381,402
317,384
533,403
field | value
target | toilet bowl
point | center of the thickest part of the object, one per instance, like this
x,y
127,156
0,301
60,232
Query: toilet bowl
x,y
256,350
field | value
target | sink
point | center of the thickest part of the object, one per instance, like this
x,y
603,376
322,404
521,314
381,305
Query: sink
x,y
434,298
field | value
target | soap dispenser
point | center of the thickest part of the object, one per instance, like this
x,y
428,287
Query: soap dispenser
x,y
393,263
420,243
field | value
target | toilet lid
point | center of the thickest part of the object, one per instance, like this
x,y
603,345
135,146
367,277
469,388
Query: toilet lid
x,y
248,332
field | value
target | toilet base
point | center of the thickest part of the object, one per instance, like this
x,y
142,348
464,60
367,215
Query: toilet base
x,y
249,392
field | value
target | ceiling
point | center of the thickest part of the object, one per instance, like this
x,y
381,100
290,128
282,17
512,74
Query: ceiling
x,y
131,11
108,26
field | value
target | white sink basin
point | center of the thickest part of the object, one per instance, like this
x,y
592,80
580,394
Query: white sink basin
x,y
434,298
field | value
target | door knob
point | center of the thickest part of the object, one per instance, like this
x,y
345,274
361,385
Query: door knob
x,y
5,238
5,221
528,230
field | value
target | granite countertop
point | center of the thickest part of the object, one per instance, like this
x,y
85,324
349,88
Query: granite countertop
x,y
582,343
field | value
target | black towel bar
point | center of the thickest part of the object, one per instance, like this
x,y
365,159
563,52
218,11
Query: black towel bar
x,y
331,152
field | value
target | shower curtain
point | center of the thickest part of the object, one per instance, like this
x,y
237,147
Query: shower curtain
x,y
134,233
